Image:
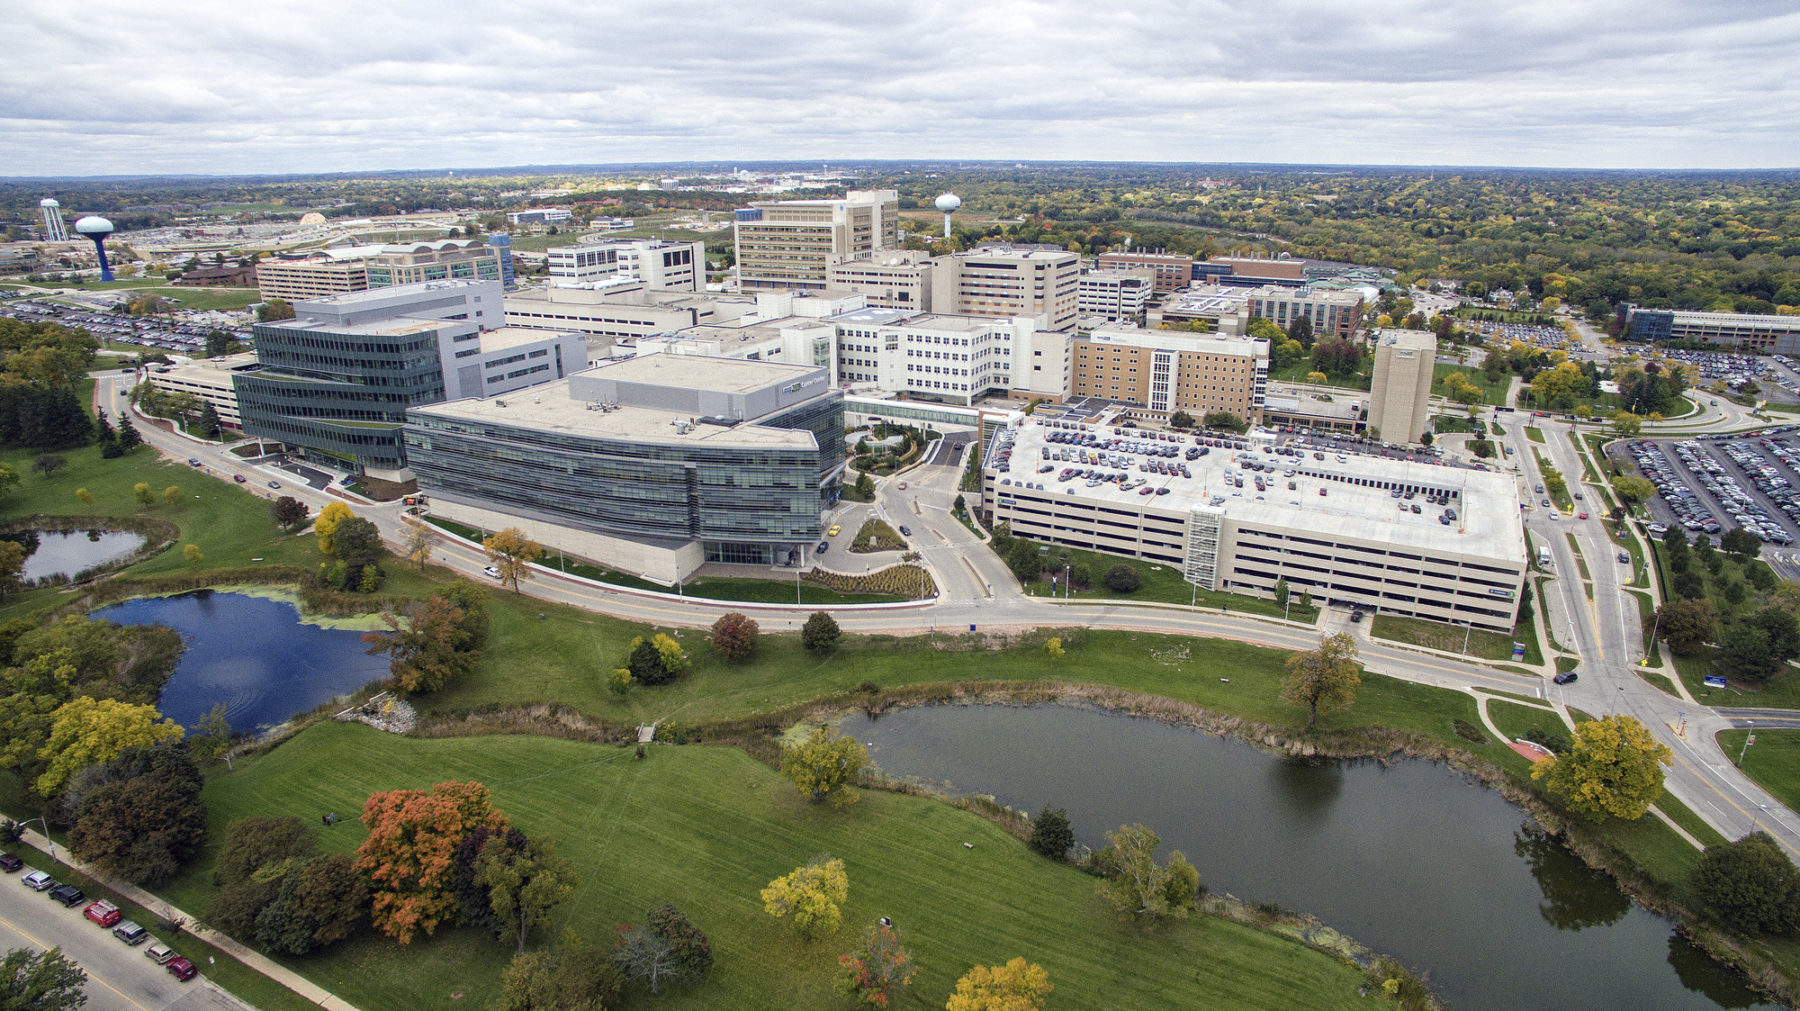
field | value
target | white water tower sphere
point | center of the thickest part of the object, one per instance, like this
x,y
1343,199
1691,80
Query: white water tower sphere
x,y
92,225
948,203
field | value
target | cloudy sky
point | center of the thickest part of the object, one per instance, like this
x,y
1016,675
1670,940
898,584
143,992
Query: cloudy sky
x,y
198,86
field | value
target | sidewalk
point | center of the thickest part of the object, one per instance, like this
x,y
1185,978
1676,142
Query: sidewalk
x,y
255,960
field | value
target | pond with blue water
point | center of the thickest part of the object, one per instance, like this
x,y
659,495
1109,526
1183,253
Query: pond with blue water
x,y
251,653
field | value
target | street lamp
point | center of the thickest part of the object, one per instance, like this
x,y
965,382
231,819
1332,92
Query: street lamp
x,y
48,841
1749,739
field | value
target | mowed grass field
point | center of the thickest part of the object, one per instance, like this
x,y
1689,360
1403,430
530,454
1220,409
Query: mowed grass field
x,y
706,828
1773,761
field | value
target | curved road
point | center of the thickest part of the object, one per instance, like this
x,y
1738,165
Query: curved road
x,y
976,589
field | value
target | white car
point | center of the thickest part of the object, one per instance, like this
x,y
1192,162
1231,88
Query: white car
x,y
492,572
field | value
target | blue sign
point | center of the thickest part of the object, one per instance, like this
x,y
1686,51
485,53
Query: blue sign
x,y
1518,651
1714,681
1501,593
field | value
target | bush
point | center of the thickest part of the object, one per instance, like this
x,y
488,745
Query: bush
x,y
820,633
1122,578
1750,884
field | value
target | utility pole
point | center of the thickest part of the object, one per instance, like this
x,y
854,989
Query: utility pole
x,y
1468,629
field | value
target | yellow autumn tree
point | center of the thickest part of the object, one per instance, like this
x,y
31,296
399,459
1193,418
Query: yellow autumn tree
x,y
511,554
86,731
810,897
1016,986
327,524
1612,770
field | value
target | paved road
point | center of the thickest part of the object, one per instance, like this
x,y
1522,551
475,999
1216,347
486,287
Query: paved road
x,y
976,589
120,978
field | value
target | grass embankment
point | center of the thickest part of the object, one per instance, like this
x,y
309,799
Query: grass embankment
x,y
706,828
1362,379
1516,720
1534,433
1450,638
1773,761
1161,584
875,536
1545,469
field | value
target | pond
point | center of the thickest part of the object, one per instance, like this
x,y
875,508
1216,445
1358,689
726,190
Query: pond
x,y
69,552
1410,859
252,654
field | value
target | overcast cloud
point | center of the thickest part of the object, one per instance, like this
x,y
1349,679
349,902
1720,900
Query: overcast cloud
x,y
209,87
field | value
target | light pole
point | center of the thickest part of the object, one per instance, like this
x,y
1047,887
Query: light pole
x,y
1468,630
1749,739
47,840
1655,624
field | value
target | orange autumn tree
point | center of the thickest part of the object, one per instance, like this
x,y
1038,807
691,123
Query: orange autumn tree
x,y
408,858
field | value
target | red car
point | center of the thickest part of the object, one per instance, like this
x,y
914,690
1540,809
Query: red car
x,y
1581,516
181,969
102,912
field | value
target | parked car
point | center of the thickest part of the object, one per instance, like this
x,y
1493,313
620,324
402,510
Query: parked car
x,y
159,953
68,895
1356,616
131,933
823,547
103,912
834,531
38,881
181,969
1624,559
906,531
193,461
1565,678
10,863
275,484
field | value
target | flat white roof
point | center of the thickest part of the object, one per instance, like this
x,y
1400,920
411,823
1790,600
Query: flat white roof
x,y
515,336
724,375
1486,502
1176,340
549,407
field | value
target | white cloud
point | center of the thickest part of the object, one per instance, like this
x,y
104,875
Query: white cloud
x,y
111,87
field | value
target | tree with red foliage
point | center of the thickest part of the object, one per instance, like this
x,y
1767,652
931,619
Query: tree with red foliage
x,y
734,636
409,857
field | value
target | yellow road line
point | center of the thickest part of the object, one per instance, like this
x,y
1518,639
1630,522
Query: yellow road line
x,y
90,975
1754,818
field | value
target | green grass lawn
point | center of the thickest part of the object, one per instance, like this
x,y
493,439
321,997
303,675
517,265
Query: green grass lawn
x,y
1163,584
1362,379
1588,473
1450,638
1516,719
1493,392
1773,761
1534,433
705,828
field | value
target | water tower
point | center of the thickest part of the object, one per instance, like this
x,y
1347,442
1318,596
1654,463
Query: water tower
x,y
948,203
54,229
97,229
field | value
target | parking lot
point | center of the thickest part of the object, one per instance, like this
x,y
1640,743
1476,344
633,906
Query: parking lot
x,y
1713,484
152,333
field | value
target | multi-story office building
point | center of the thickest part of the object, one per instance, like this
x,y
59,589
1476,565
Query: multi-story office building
x,y
501,244
1251,271
209,380
1333,314
898,279
540,216
1026,280
440,260
1769,334
334,383
951,359
1114,294
1172,271
1165,371
659,264
792,243
654,464
1216,308
1338,526
333,273
1400,398
626,312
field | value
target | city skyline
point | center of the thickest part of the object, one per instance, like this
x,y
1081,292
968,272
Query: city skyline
x,y
118,89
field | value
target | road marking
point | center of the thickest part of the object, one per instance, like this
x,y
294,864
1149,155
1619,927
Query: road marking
x,y
1734,804
27,935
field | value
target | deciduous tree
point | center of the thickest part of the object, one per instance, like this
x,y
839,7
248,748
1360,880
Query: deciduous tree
x,y
140,816
12,566
416,543
820,633
172,495
327,523
1686,625
523,885
143,493
1051,833
810,897
1633,489
84,496
428,648
407,857
1139,887
193,554
1016,986
1750,884
87,731
1323,678
1613,770
734,637
1760,645
41,981
48,464
871,972
825,766
512,553
289,512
